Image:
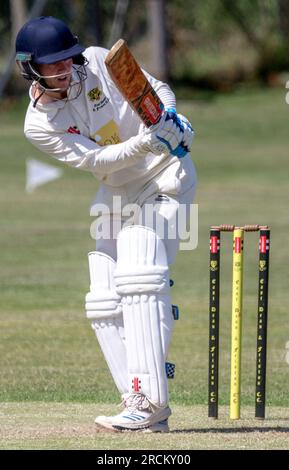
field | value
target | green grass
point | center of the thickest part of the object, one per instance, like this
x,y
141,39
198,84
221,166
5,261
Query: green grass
x,y
47,348
39,425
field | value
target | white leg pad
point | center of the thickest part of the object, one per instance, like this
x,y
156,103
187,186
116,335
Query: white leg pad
x,y
142,280
103,308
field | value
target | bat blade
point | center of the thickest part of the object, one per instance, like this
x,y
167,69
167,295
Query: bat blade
x,y
133,84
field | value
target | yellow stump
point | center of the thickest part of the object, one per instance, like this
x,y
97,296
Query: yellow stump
x,y
237,294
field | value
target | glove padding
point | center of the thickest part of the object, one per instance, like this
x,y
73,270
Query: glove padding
x,y
173,134
164,136
170,131
187,133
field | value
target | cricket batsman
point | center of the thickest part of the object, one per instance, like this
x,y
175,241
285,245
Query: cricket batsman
x,y
78,116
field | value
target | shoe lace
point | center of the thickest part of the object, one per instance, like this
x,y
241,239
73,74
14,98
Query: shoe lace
x,y
136,402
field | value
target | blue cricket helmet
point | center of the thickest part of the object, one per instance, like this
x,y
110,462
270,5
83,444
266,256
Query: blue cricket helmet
x,y
46,40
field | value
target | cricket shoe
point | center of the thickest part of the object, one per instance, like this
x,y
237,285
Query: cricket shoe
x,y
139,415
161,426
106,422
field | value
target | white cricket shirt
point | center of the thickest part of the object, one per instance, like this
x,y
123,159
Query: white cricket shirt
x,y
99,132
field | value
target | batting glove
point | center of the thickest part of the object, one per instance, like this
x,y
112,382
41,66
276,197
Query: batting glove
x,y
166,136
188,133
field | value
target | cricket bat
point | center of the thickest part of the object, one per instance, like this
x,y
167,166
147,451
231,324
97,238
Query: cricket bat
x,y
133,84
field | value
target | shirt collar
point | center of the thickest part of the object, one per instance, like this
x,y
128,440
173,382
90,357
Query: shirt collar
x,y
50,108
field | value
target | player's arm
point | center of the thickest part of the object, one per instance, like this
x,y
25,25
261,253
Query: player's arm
x,y
183,129
142,93
80,152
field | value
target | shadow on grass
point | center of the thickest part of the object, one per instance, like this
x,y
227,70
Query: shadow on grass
x,y
231,430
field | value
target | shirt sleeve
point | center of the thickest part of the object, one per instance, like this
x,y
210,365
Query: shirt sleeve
x,y
80,152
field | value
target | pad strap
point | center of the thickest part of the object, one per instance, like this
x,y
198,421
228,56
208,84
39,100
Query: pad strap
x,y
141,262
102,301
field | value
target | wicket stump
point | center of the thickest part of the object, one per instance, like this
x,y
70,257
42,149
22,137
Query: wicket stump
x,y
261,358
214,321
236,338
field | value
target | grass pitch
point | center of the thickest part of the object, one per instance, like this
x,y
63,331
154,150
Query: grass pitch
x,y
37,425
48,351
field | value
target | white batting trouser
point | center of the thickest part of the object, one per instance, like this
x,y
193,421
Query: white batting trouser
x,y
159,212
110,333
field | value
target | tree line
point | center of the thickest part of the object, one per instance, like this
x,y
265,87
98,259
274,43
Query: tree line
x,y
211,44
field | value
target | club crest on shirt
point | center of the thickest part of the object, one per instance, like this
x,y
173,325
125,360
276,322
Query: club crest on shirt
x,y
94,94
98,98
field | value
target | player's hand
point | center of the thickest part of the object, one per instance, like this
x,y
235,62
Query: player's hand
x,y
165,136
172,135
187,133
169,131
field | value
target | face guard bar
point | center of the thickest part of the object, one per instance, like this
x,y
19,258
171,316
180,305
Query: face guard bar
x,y
78,74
